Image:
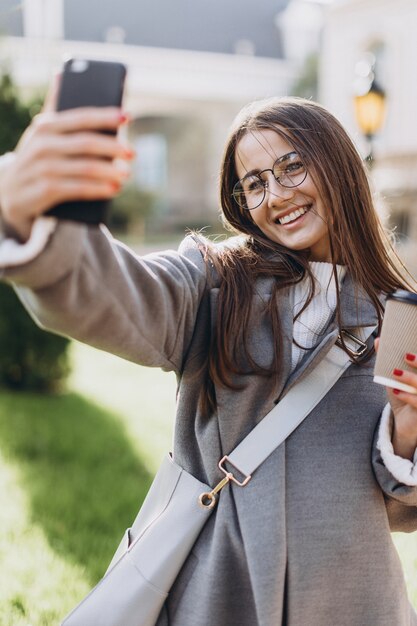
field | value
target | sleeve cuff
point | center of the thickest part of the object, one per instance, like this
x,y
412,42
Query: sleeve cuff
x,y
403,470
13,253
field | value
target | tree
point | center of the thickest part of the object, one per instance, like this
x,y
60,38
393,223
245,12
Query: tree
x,y
306,85
130,209
30,358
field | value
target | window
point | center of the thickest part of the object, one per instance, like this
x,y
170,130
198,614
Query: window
x,y
379,51
400,222
151,160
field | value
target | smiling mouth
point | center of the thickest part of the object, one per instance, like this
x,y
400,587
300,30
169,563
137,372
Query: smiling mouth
x,y
291,217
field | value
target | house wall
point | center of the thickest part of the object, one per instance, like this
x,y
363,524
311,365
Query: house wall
x,y
353,27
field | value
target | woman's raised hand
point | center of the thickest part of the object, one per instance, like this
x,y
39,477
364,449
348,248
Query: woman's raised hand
x,y
61,157
404,408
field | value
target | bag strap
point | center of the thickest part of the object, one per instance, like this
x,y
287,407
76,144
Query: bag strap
x,y
284,418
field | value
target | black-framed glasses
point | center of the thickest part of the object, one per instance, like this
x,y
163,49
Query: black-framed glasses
x,y
288,170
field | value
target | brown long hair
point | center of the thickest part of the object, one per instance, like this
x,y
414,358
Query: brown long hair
x,y
357,237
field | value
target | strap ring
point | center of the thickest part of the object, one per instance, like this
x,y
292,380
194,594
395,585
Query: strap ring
x,y
230,476
207,500
361,346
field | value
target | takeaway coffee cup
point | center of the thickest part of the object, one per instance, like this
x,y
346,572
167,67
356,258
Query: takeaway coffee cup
x,y
398,336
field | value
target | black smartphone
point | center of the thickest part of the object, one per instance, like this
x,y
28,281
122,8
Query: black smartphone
x,y
86,82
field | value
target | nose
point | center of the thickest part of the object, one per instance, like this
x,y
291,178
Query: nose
x,y
276,194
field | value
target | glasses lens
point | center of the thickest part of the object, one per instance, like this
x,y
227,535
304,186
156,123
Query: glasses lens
x,y
249,192
289,170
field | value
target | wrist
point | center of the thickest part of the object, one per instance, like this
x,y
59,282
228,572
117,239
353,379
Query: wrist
x,y
20,231
404,444
14,228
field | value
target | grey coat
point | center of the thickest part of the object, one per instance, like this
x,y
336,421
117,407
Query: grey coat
x,y
307,542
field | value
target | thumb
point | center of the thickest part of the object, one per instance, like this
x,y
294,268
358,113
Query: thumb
x,y
51,99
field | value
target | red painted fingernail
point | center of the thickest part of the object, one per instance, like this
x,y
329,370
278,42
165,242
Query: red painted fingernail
x,y
410,357
396,391
398,372
116,186
124,118
129,154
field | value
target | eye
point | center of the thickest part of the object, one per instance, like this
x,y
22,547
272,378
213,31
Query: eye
x,y
296,167
252,184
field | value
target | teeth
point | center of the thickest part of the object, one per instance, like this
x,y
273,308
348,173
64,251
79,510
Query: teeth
x,y
293,216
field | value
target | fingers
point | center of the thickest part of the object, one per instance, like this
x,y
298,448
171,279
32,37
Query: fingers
x,y
408,378
60,180
376,344
42,154
80,119
45,193
71,133
84,189
83,168
411,359
39,184
82,145
61,157
51,100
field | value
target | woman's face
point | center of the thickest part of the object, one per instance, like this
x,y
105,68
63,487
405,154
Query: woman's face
x,y
306,229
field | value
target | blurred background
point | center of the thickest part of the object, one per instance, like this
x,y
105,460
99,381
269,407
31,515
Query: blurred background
x,y
192,67
81,432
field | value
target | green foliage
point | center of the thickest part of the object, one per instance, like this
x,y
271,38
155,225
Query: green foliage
x,y
30,358
16,114
73,475
130,208
306,86
82,483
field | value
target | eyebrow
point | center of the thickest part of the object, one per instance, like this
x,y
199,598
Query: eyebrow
x,y
282,158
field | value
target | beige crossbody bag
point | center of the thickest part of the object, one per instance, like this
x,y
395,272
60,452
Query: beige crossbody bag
x,y
177,506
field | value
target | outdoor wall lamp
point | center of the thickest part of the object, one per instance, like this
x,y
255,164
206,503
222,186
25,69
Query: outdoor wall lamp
x,y
370,109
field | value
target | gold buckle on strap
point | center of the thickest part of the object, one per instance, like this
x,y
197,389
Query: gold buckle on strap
x,y
208,499
230,475
360,345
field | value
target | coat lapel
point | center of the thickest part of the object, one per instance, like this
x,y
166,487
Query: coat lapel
x,y
356,310
286,304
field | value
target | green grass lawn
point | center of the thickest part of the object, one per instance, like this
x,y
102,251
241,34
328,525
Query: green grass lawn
x,y
73,471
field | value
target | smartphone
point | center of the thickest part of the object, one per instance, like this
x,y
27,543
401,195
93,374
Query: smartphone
x,y
87,83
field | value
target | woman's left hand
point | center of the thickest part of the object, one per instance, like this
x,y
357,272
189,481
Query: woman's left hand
x,y
404,408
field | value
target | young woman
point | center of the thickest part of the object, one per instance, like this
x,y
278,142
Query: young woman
x,y
307,541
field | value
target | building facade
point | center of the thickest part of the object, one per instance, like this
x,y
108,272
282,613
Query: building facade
x,y
383,30
189,72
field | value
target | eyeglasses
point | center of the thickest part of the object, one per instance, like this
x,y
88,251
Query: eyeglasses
x,y
288,170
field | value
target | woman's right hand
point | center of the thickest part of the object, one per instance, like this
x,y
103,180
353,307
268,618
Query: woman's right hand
x,y
62,157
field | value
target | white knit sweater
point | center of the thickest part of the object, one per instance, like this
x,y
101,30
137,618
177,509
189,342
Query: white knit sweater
x,y
309,326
